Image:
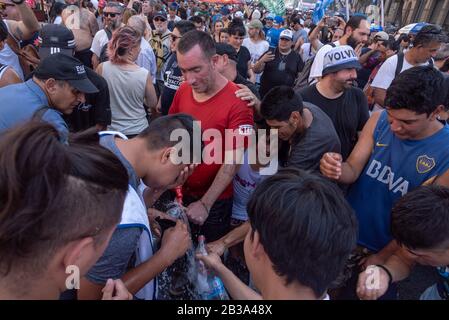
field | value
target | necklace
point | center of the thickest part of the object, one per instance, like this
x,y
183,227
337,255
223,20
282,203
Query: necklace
x,y
281,65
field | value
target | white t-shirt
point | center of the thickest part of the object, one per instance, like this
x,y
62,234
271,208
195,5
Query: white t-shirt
x,y
100,39
58,20
316,71
256,50
147,59
307,52
386,73
245,182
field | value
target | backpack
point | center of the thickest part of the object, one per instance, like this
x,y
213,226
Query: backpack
x,y
157,43
28,55
302,78
369,90
104,50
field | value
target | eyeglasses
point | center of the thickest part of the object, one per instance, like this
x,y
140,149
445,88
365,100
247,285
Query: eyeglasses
x,y
159,19
111,14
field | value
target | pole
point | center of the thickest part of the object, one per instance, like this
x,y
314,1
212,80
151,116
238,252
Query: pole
x,y
347,10
382,12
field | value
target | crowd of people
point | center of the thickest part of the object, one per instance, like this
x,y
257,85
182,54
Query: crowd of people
x,y
91,98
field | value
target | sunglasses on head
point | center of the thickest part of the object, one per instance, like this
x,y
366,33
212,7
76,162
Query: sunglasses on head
x,y
111,14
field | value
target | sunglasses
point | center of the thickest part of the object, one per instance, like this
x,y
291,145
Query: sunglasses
x,y
159,19
111,14
173,37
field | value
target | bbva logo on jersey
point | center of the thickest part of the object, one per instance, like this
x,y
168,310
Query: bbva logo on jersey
x,y
424,164
385,175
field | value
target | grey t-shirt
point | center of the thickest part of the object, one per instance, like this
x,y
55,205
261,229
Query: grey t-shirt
x,y
119,254
318,139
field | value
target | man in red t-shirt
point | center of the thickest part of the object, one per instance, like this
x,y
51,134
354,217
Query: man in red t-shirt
x,y
210,98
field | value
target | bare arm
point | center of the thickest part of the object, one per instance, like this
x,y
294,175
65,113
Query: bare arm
x,y
222,180
9,77
379,96
150,94
98,68
251,74
349,171
27,26
236,288
234,237
93,24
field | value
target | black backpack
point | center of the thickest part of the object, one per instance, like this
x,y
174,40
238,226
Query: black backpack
x,y
104,51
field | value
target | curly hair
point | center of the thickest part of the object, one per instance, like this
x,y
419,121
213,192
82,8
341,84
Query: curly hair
x,y
123,41
417,89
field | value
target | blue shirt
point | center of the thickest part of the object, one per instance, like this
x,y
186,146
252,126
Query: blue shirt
x,y
395,167
273,36
19,102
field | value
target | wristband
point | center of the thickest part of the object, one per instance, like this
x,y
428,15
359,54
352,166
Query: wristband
x,y
390,276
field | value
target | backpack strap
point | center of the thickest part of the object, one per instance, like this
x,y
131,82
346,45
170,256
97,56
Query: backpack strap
x,y
399,64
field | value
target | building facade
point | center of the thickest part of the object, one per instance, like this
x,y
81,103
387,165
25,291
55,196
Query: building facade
x,y
432,11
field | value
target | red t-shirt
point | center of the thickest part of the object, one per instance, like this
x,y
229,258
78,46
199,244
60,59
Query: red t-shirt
x,y
222,111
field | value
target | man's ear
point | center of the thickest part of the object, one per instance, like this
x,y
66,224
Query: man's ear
x,y
79,253
256,248
295,118
215,60
435,115
167,154
50,85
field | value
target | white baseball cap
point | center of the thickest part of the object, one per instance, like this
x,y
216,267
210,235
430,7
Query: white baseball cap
x,y
286,34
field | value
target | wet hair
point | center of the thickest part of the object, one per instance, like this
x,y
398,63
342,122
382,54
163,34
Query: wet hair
x,y
124,39
306,227
184,26
52,194
157,134
200,38
428,34
420,219
279,103
354,22
236,28
417,89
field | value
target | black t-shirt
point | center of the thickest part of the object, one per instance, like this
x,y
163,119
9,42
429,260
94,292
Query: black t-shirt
x,y
348,113
281,71
96,109
172,80
306,150
243,58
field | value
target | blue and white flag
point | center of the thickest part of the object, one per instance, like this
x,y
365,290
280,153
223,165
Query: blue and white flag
x,y
320,9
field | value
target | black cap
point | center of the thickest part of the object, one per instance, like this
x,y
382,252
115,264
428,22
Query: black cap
x,y
227,49
63,67
54,38
160,14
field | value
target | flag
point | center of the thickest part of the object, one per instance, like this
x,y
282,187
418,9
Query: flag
x,y
320,9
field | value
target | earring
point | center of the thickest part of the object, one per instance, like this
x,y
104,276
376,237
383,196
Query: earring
x,y
438,117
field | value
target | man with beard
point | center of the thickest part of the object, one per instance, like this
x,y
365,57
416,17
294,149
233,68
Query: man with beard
x,y
84,26
112,14
356,34
334,94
